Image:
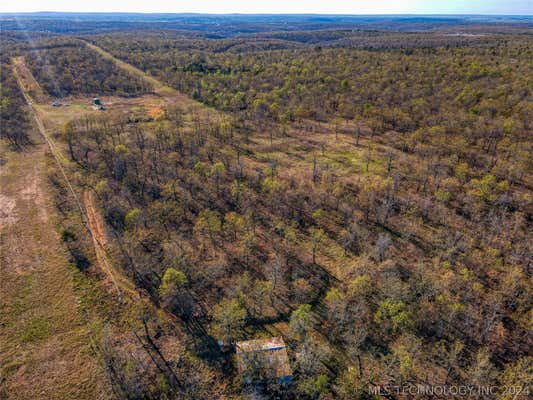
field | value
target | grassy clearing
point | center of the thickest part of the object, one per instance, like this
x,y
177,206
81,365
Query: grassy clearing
x,y
79,107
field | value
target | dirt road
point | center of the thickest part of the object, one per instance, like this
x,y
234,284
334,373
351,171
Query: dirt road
x,y
99,237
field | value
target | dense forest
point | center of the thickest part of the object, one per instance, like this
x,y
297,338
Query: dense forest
x,y
367,195
326,83
376,202
65,69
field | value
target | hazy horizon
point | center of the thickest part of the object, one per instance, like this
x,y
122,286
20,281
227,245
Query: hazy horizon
x,y
270,13
333,7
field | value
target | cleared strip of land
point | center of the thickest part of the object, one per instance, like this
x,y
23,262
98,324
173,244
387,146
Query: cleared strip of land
x,y
45,348
97,236
159,87
27,80
53,358
170,95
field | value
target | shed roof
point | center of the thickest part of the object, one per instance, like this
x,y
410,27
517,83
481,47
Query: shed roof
x,y
263,359
261,344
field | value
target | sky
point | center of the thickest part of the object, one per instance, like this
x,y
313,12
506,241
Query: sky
x,y
521,7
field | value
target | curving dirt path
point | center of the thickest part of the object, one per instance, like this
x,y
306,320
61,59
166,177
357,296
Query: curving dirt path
x,y
99,237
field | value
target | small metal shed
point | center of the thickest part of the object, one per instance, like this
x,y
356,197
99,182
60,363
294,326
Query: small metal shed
x,y
263,359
